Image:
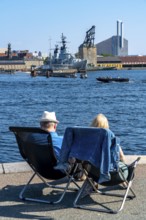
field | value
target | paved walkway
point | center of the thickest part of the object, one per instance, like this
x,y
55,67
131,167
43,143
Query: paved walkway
x,y
13,176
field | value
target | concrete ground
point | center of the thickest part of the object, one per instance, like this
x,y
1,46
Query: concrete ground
x,y
13,177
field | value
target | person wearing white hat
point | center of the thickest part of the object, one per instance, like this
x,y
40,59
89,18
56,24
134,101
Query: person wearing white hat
x,y
48,117
48,122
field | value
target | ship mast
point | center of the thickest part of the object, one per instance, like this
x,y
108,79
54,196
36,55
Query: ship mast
x,y
50,55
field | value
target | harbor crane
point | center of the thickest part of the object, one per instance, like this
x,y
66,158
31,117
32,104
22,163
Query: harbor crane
x,y
90,37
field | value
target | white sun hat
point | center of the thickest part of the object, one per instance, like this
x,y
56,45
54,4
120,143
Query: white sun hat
x,y
49,116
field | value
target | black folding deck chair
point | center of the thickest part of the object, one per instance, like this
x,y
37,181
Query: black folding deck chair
x,y
93,147
117,177
42,160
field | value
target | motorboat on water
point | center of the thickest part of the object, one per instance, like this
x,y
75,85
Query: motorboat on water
x,y
111,79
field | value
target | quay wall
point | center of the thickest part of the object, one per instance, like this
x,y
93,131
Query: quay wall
x,y
24,65
16,167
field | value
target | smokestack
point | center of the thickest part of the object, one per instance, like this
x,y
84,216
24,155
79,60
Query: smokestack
x,y
117,28
118,36
121,40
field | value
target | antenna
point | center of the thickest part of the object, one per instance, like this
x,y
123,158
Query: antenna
x,y
50,47
50,55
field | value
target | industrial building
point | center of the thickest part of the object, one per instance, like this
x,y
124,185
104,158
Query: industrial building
x,y
114,46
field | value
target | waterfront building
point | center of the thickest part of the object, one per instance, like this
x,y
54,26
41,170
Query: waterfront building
x,y
115,45
18,60
2,51
109,62
133,62
125,62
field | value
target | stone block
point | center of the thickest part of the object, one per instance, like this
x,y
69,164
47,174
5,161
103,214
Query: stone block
x,y
16,167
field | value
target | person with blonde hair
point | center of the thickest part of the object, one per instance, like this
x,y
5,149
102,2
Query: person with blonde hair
x,y
101,121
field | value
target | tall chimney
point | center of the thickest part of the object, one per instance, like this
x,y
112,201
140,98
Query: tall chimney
x,y
117,35
121,38
117,28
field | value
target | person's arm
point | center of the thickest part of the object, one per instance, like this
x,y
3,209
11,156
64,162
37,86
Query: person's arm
x,y
122,156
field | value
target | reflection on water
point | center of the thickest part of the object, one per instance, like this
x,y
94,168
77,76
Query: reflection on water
x,y
76,102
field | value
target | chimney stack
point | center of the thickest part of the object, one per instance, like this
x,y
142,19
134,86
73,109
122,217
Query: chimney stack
x,y
120,34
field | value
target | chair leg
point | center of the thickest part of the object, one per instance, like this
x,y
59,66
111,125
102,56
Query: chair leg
x,y
105,208
25,187
70,179
126,196
90,185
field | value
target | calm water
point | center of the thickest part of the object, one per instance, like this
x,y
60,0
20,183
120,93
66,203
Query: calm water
x,y
76,102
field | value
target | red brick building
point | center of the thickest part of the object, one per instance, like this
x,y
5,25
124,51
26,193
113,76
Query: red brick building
x,y
133,61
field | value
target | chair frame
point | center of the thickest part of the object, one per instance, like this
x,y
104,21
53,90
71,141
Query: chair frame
x,y
89,181
70,178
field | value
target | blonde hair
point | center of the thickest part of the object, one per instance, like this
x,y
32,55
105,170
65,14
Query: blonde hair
x,y
100,121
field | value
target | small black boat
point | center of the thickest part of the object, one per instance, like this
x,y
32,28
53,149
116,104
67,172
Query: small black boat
x,y
110,79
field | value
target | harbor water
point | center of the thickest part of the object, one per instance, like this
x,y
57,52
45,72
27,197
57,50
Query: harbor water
x,y
76,101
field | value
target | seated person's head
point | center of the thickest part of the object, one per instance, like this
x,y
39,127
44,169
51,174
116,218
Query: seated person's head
x,y
48,126
100,121
48,121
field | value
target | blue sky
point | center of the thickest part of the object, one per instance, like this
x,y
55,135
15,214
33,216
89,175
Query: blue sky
x,y
37,24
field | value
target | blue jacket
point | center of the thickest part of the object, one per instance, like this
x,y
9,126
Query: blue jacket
x,y
95,145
